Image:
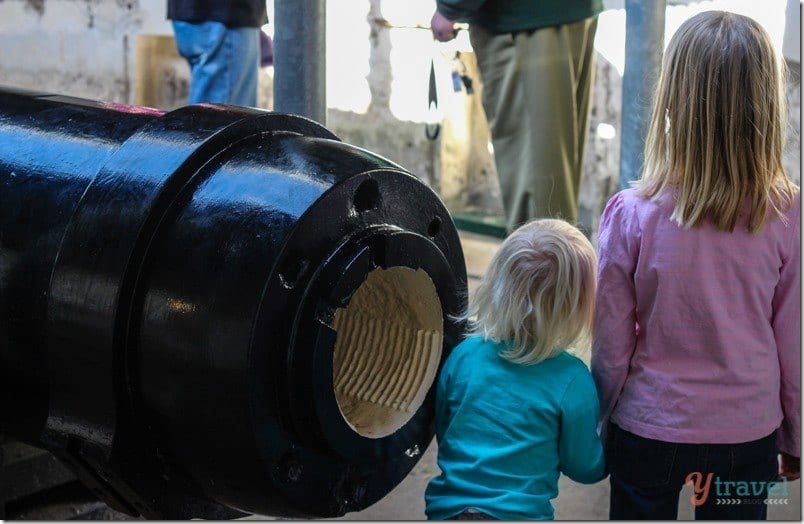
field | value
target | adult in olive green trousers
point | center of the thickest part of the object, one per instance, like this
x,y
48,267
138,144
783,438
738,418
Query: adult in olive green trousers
x,y
536,90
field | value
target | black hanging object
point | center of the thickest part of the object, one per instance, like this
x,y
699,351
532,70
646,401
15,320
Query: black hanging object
x,y
431,131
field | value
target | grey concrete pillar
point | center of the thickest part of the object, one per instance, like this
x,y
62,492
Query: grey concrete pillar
x,y
791,46
300,58
644,45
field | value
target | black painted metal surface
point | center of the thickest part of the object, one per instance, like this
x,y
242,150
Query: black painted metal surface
x,y
167,282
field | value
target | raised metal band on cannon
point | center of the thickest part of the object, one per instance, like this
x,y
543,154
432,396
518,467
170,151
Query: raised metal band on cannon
x,y
218,309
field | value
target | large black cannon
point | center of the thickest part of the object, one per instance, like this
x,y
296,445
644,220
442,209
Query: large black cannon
x,y
217,310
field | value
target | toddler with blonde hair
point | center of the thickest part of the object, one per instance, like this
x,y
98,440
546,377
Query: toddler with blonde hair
x,y
513,407
697,338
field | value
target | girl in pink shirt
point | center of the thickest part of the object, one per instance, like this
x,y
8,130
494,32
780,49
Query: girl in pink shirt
x,y
698,322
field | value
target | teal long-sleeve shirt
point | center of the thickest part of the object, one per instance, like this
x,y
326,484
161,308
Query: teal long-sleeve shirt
x,y
505,431
505,16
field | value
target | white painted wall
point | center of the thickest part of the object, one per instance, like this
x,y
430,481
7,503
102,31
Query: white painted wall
x,y
77,47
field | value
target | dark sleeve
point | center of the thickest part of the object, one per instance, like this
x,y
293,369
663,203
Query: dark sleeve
x,y
458,9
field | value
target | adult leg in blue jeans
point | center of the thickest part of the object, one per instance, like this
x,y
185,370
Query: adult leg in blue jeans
x,y
647,476
224,61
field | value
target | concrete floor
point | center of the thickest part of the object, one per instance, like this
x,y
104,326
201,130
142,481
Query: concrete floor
x,y
575,501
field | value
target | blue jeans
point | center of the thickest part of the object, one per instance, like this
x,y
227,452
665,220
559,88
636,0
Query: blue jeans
x,y
647,476
224,61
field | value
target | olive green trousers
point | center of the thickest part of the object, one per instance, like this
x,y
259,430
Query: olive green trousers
x,y
536,90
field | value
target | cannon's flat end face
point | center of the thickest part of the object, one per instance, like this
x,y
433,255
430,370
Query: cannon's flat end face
x,y
387,351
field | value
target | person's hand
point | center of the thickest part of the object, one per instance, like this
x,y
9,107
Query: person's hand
x,y
790,467
443,28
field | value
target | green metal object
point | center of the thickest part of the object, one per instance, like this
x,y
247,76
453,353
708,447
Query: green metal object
x,y
489,225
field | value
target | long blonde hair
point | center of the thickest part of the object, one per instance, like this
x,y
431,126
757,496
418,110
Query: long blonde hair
x,y
716,133
538,292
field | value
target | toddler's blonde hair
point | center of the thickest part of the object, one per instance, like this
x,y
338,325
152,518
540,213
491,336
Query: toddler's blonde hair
x,y
538,292
716,133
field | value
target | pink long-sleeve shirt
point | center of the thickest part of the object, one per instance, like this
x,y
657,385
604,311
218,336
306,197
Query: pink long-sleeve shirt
x,y
698,331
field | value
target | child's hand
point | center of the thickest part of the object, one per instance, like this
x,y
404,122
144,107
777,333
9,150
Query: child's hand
x,y
790,467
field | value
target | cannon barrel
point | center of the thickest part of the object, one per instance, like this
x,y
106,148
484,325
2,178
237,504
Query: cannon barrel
x,y
218,310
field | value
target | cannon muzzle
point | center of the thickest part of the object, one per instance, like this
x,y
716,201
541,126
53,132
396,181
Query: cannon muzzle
x,y
218,310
